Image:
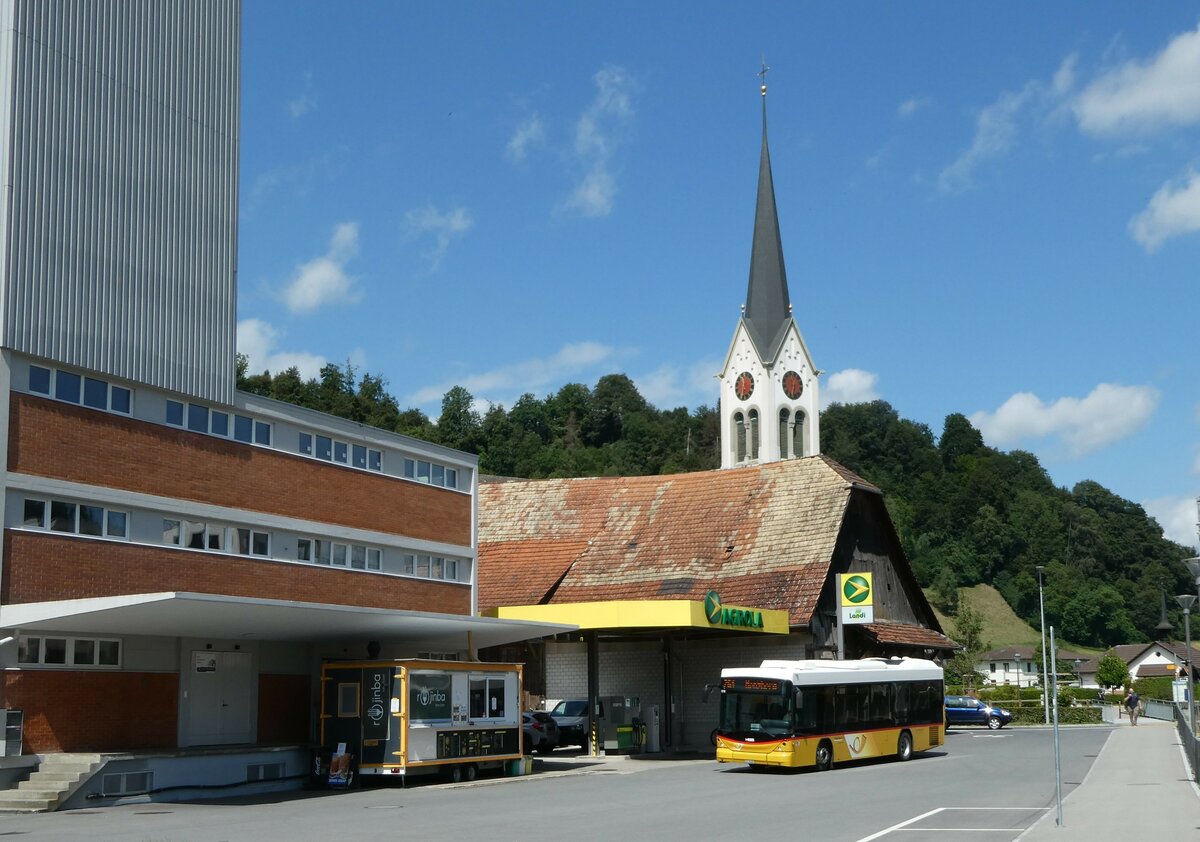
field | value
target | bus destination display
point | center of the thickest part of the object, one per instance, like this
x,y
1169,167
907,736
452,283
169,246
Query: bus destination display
x,y
753,685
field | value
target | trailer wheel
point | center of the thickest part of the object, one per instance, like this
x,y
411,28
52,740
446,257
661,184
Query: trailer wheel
x,y
456,773
470,772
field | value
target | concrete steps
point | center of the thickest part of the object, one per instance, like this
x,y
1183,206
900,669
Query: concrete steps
x,y
57,776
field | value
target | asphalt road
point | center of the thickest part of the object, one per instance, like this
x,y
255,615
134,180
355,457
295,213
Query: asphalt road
x,y
983,784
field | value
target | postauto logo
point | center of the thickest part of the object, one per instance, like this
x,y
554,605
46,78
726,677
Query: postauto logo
x,y
719,615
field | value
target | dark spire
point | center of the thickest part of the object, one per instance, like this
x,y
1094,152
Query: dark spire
x,y
1164,627
768,310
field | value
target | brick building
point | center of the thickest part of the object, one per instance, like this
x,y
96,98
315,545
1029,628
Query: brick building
x,y
178,557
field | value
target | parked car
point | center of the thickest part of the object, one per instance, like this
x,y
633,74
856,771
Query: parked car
x,y
573,723
539,731
965,710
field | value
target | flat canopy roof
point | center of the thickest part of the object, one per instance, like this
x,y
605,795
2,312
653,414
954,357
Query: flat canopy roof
x,y
645,614
181,614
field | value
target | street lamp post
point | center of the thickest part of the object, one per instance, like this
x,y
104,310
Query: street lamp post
x,y
1186,601
1042,609
1017,658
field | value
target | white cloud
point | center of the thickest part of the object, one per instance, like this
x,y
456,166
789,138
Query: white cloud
x,y
323,279
670,386
1140,97
599,133
997,124
1176,516
303,102
1172,211
1107,415
912,105
257,340
851,385
443,227
531,132
504,384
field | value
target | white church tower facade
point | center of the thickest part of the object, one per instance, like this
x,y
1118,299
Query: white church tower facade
x,y
770,394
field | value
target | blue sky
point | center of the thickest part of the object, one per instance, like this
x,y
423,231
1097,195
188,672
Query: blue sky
x,y
991,209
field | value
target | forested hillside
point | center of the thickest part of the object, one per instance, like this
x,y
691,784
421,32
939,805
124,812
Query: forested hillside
x,y
967,514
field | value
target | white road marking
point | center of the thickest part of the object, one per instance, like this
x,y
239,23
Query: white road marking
x,y
904,826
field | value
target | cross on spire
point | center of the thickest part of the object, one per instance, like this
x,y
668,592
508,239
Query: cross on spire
x,y
763,74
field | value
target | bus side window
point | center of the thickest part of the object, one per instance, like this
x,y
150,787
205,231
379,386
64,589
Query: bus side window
x,y
901,703
806,710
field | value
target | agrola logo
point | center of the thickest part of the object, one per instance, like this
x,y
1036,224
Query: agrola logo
x,y
719,615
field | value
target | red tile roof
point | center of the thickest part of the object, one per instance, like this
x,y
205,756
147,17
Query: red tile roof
x,y
903,634
763,536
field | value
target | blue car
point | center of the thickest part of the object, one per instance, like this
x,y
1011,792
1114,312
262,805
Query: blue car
x,y
965,710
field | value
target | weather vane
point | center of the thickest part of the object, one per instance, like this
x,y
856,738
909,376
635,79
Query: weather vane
x,y
763,74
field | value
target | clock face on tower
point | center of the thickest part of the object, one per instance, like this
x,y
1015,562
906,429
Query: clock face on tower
x,y
792,385
743,387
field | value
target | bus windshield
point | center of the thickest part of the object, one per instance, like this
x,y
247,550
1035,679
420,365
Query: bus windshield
x,y
748,710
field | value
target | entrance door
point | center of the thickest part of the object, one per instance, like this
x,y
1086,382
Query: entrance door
x,y
219,695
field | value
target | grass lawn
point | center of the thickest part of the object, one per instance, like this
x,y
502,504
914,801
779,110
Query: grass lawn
x,y
1002,627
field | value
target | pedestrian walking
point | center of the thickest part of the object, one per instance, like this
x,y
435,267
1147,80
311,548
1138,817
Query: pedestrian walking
x,y
1132,700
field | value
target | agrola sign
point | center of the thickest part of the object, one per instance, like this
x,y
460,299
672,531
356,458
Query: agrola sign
x,y
726,615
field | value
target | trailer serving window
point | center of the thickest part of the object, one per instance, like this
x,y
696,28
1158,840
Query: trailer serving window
x,y
487,696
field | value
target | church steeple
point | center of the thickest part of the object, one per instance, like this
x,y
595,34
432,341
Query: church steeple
x,y
768,310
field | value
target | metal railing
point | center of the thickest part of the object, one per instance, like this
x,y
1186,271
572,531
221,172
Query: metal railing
x,y
1159,709
1191,746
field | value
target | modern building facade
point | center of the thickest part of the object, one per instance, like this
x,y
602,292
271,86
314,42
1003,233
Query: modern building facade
x,y
180,557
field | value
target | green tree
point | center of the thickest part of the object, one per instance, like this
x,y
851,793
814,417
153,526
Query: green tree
x,y
1112,671
459,426
968,633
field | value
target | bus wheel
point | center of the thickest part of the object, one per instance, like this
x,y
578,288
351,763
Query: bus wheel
x,y
904,746
824,756
470,772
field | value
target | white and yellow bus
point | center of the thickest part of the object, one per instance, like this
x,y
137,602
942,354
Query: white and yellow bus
x,y
792,714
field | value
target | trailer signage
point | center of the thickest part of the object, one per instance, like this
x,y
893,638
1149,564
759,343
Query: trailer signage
x,y
429,695
377,691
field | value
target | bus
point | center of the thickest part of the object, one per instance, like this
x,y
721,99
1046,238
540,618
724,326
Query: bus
x,y
796,714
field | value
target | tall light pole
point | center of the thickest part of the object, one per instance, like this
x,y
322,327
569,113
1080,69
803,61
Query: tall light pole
x,y
1042,608
1186,601
1193,566
1017,658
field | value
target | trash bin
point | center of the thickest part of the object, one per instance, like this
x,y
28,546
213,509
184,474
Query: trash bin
x,y
14,728
624,737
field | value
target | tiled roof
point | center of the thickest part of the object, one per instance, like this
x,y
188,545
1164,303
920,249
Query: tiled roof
x,y
763,536
903,634
1156,670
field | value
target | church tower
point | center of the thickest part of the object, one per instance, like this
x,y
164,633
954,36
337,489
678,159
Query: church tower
x,y
769,389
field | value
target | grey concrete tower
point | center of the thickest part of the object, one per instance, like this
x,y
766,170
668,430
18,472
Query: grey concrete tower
x,y
119,162
769,386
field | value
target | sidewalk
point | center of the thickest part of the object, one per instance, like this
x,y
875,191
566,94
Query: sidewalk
x,y
1138,788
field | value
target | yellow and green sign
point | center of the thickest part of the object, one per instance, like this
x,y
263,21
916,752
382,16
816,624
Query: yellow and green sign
x,y
854,590
722,615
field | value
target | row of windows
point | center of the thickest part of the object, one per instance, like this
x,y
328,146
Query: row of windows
x,y
76,518
335,554
69,651
431,567
1028,666
345,453
75,388
833,708
200,419
746,437
431,473
198,535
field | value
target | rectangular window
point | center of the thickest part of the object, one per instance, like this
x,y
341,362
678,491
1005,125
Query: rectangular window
x,y
66,386
423,566
243,542
375,460
197,418
109,653
260,544
216,538
262,433
358,456
339,555
39,381
451,478
410,469
35,514
119,400
54,650
422,471
193,535
243,428
29,650
487,697
95,393
175,413
117,525
220,424
452,569
304,549
306,444
324,448
407,564
340,452
91,520
358,557
85,653
62,516
170,533
439,475
323,552
374,559
436,571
